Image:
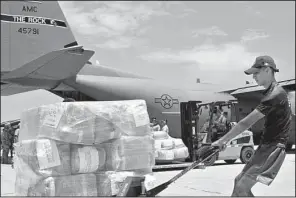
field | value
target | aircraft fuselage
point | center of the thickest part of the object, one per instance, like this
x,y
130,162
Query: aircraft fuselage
x,y
163,102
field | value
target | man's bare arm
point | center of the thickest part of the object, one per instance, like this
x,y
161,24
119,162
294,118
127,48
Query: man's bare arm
x,y
243,125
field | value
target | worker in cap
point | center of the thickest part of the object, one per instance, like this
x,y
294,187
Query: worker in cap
x,y
274,107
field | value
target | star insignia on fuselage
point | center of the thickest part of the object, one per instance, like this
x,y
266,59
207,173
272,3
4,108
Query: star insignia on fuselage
x,y
166,101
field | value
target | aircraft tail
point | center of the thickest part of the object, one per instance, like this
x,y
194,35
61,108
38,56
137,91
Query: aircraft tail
x,y
34,35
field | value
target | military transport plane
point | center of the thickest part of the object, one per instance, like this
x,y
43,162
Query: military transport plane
x,y
39,51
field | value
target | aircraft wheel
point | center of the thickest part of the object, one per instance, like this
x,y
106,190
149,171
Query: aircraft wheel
x,y
230,161
246,154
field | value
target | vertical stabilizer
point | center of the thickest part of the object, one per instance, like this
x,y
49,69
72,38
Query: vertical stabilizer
x,y
30,29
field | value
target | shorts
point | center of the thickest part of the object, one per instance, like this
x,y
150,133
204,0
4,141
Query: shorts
x,y
265,164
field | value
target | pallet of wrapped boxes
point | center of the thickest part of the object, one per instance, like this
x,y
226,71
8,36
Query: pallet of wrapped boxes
x,y
83,148
168,149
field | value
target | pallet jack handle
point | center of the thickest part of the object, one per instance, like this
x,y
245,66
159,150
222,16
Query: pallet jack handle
x,y
209,153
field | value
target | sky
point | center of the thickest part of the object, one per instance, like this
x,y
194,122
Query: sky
x,y
213,41
177,42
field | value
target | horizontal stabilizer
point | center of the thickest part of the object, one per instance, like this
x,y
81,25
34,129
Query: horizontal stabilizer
x,y
54,66
11,89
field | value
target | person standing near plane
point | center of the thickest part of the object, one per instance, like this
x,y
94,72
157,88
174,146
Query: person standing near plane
x,y
155,125
164,126
16,133
220,122
274,107
7,142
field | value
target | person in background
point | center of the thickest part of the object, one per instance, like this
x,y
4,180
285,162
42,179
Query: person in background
x,y
205,126
155,125
7,142
225,114
228,123
16,133
1,137
164,126
151,123
220,122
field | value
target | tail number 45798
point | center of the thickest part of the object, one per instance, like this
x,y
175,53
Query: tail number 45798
x,y
28,31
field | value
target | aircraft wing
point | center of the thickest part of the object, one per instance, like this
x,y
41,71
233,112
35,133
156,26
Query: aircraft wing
x,y
46,66
255,92
47,71
11,89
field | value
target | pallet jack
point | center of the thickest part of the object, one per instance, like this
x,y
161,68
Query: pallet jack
x,y
134,186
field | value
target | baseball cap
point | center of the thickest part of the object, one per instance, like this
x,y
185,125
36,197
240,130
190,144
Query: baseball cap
x,y
262,61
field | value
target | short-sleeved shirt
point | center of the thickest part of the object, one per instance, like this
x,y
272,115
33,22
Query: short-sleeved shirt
x,y
156,128
275,106
222,119
17,132
165,128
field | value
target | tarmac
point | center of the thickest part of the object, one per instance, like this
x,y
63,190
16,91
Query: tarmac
x,y
216,180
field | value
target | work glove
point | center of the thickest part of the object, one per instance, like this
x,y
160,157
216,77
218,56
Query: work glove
x,y
219,144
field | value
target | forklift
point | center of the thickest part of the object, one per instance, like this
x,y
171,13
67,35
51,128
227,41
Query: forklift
x,y
240,147
192,137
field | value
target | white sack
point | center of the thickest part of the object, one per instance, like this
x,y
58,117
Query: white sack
x,y
129,153
73,185
87,159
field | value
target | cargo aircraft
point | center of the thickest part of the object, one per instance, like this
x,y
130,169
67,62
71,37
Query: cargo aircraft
x,y
39,51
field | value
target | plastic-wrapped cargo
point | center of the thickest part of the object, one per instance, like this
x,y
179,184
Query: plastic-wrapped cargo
x,y
129,153
87,159
130,116
178,143
109,182
72,123
160,135
165,144
86,122
165,155
104,128
72,185
25,178
44,156
157,144
180,153
69,122
29,125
